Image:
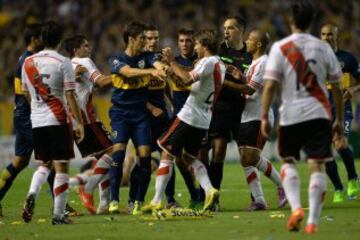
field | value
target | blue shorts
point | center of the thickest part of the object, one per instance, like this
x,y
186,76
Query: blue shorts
x,y
348,114
24,144
158,126
138,131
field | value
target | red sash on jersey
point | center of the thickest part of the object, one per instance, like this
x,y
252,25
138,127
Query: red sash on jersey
x,y
217,82
304,74
43,91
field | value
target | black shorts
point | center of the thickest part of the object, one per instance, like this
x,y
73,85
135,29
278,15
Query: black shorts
x,y
225,124
181,136
158,126
53,142
250,135
313,136
97,140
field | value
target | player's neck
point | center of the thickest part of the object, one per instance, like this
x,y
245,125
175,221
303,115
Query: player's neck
x,y
257,54
130,51
30,48
237,45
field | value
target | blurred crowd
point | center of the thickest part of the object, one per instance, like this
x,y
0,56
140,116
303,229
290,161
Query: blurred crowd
x,y
102,22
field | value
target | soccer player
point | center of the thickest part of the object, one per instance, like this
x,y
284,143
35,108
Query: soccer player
x,y
96,144
250,139
227,111
299,66
48,78
22,122
349,65
183,138
131,72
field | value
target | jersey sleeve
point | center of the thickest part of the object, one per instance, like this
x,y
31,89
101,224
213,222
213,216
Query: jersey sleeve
x,y
256,80
24,79
203,68
69,75
274,64
94,72
334,73
151,58
354,67
116,63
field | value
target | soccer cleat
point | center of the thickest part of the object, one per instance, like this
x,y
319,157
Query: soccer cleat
x,y
1,211
294,223
102,210
339,196
137,208
61,220
28,209
151,207
257,206
130,207
310,228
282,197
174,204
71,212
196,205
114,207
353,188
87,200
211,199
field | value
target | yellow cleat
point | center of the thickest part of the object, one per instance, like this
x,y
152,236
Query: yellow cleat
x,y
211,199
353,188
114,207
151,207
137,208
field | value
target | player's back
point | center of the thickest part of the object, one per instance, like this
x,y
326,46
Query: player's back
x,y
46,75
204,91
303,63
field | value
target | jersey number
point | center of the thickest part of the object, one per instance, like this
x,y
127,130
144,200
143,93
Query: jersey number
x,y
304,75
42,90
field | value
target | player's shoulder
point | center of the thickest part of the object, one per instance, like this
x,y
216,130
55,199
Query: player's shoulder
x,y
86,61
345,55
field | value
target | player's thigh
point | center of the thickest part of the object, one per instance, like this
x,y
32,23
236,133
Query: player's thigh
x,y
141,133
121,131
193,141
318,139
24,145
250,136
290,142
62,142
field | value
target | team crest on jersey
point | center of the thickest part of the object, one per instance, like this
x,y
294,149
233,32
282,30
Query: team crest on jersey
x,y
116,62
141,64
114,134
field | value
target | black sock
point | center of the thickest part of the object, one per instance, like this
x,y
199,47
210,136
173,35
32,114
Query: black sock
x,y
332,172
134,183
115,174
50,180
144,178
170,188
348,159
216,173
189,180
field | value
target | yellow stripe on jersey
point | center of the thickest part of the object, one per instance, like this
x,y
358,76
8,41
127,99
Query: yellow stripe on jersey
x,y
156,84
18,86
129,83
176,84
345,82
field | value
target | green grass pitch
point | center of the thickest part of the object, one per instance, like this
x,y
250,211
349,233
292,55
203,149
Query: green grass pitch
x,y
337,221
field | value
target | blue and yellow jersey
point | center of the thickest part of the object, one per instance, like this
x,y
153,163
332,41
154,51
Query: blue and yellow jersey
x,y
180,90
22,107
130,94
349,67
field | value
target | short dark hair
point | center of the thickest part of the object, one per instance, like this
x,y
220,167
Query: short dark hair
x,y
240,21
32,30
303,13
208,39
73,42
51,34
185,31
151,27
133,29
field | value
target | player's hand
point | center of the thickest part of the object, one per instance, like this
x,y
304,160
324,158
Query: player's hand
x,y
159,73
168,55
79,133
156,112
338,131
265,128
235,73
79,70
348,93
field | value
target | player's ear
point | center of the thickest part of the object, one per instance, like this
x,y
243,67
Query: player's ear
x,y
259,45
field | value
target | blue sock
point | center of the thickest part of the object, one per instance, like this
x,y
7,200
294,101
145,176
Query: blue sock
x,y
6,179
134,183
144,178
115,174
348,159
189,180
170,188
332,172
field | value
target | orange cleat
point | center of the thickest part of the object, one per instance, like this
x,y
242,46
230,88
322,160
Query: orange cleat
x,y
311,228
87,200
294,223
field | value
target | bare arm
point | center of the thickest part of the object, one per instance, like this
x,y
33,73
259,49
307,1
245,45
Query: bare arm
x,y
27,96
70,97
339,109
103,81
179,71
243,88
270,88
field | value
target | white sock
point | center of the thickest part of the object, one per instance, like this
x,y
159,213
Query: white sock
x,y
163,175
100,170
61,186
291,184
79,179
201,175
104,192
265,166
317,188
38,179
253,180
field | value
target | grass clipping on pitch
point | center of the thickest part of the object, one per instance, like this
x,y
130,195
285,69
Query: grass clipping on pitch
x,y
174,214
